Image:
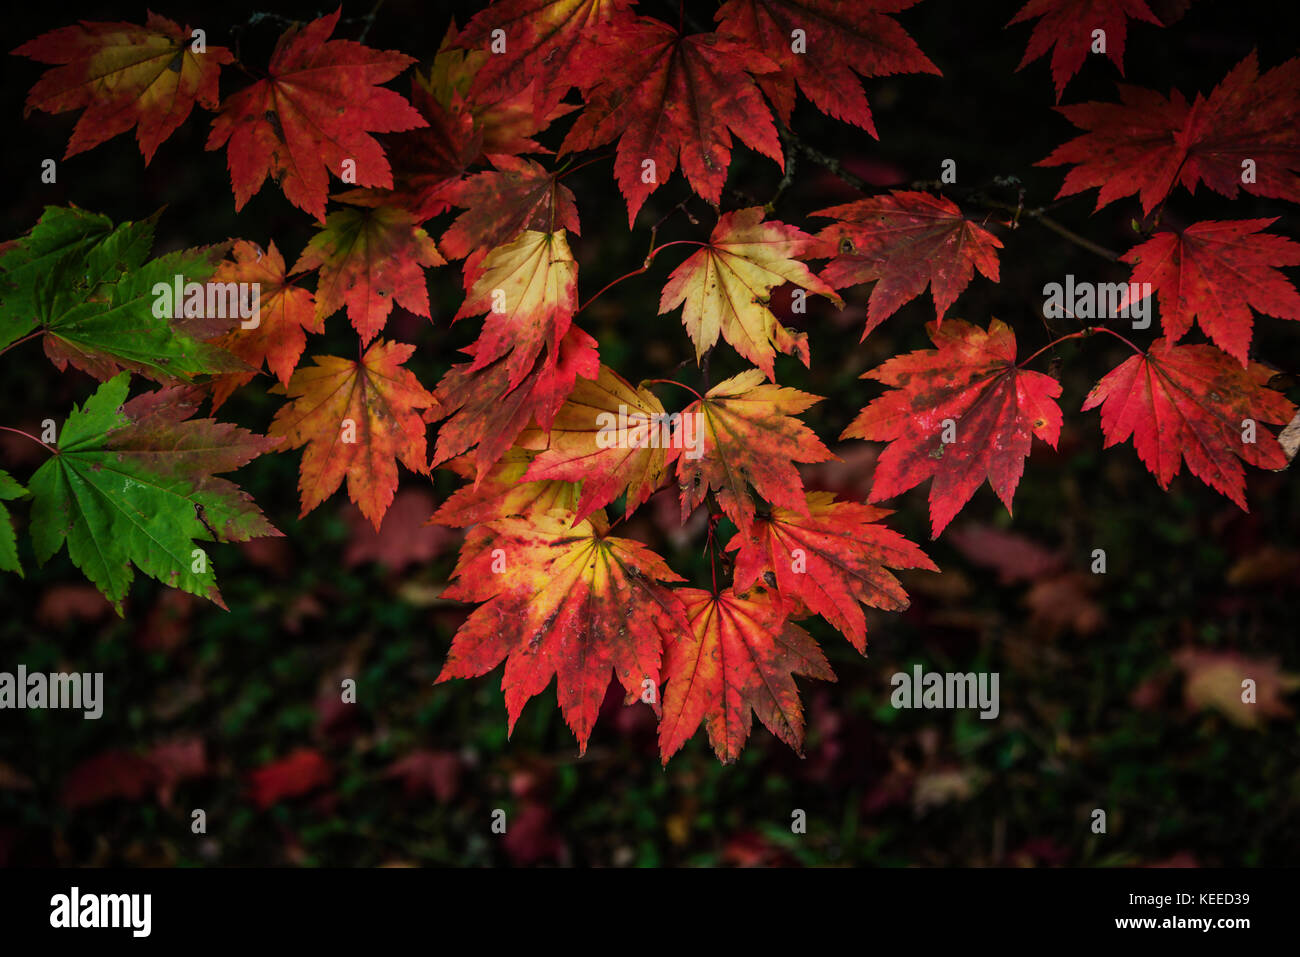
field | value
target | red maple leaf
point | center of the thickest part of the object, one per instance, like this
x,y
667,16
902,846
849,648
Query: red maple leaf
x,y
1213,273
357,417
483,410
466,122
370,256
903,242
312,114
1242,136
745,434
499,204
1066,27
739,657
564,600
110,774
546,44
527,290
501,492
1194,404
830,560
958,414
296,774
123,75
666,96
820,45
286,313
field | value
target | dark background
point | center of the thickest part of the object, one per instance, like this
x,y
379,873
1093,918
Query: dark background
x,y
1117,691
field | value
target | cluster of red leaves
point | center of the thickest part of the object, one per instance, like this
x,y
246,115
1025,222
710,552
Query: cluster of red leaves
x,y
526,417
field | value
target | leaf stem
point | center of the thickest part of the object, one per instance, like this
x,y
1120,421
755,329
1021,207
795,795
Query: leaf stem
x,y
1120,338
19,342
681,385
655,251
48,448
1081,334
1043,219
566,169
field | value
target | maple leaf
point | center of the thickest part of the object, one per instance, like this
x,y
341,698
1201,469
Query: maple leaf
x,y
502,492
903,242
830,560
672,97
108,775
726,287
562,599
1193,403
610,437
405,538
428,772
297,773
738,659
86,287
529,290
746,435
430,160
839,39
10,489
1146,143
1214,272
370,256
124,75
968,390
1214,679
357,419
483,410
315,110
286,313
464,125
134,483
517,195
1066,28
504,117
548,44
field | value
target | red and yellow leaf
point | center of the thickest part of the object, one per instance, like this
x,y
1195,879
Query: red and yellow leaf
x,y
567,600
743,433
610,437
370,256
503,492
738,659
528,289
357,419
123,75
725,288
286,314
483,410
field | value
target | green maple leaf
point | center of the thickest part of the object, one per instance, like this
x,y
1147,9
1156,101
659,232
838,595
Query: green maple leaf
x,y
87,286
9,489
133,483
